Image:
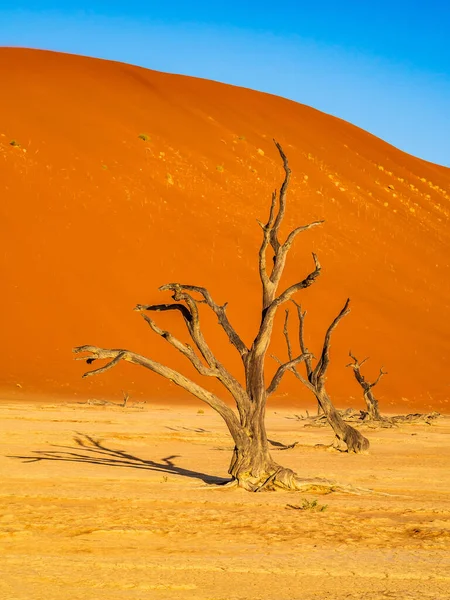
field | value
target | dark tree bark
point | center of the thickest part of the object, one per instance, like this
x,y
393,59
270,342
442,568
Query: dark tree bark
x,y
373,411
252,466
315,381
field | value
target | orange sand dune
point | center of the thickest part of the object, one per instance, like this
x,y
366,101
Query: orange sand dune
x,y
94,219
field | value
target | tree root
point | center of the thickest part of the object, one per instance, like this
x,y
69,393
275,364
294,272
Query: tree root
x,y
227,485
284,479
288,480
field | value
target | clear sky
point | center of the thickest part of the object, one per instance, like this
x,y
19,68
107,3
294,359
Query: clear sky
x,y
384,66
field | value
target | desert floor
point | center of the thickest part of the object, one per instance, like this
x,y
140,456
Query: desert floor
x,y
104,502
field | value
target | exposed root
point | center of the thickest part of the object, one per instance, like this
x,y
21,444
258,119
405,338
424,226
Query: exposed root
x,y
285,479
288,480
337,445
227,485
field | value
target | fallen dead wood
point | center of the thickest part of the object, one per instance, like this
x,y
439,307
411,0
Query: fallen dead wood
x,y
361,417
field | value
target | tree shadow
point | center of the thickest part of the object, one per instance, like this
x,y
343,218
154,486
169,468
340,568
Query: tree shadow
x,y
93,451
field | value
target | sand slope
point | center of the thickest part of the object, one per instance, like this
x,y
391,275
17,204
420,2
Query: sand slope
x,y
94,219
132,519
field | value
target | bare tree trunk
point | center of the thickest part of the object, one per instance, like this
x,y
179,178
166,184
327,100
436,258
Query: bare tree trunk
x,y
372,406
351,437
251,463
373,410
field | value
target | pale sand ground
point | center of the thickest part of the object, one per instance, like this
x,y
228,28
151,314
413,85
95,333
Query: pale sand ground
x,y
123,523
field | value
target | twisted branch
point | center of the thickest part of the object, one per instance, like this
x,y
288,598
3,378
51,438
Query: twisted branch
x,y
185,349
192,319
288,366
308,355
220,312
92,353
301,336
282,200
324,360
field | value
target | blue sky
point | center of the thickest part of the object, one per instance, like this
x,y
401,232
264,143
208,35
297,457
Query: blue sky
x,y
384,66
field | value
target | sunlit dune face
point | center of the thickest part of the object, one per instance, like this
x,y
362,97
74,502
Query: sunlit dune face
x,y
115,180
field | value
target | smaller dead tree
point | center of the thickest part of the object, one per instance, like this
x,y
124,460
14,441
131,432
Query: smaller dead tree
x,y
373,411
316,377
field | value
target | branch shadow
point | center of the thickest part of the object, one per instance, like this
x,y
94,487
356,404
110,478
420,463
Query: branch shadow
x,y
193,429
93,451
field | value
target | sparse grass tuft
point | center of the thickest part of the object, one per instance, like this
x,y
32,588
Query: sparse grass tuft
x,y
311,505
200,411
144,137
220,168
14,143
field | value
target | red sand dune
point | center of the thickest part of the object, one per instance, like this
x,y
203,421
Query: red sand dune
x,y
94,219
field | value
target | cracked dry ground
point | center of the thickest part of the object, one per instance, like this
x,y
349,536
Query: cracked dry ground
x,y
106,503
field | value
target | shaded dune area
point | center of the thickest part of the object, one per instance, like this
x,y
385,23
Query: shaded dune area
x,y
115,180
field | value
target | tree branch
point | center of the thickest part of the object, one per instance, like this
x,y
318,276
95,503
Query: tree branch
x,y
304,351
288,366
286,335
290,291
356,363
261,341
294,233
165,307
296,373
324,360
216,369
220,312
271,232
106,367
268,288
301,338
270,282
378,378
281,255
282,200
96,353
185,349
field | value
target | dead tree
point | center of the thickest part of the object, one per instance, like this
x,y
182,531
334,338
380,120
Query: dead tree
x,y
252,466
316,377
373,411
